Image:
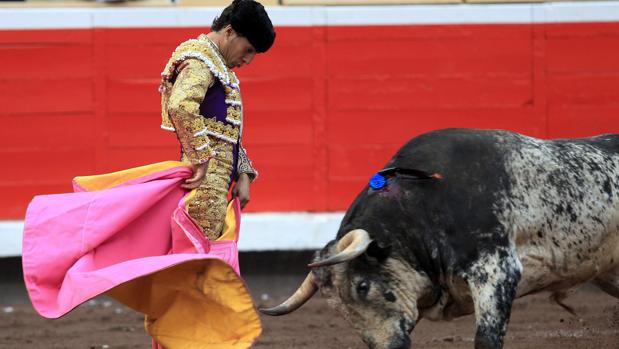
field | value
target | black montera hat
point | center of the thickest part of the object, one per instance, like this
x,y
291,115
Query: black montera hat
x,y
250,19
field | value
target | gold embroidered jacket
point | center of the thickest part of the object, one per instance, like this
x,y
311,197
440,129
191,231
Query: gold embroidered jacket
x,y
190,72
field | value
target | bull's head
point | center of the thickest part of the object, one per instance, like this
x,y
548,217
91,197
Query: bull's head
x,y
374,289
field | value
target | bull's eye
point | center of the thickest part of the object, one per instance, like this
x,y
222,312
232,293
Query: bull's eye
x,y
363,287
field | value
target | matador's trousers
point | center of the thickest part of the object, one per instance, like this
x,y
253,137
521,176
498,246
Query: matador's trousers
x,y
207,204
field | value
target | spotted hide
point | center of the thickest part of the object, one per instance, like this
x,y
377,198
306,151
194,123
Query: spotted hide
x,y
466,221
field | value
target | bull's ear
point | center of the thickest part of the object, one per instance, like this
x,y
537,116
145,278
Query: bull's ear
x,y
378,250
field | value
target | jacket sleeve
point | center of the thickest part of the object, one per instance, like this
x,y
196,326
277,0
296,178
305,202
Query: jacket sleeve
x,y
244,165
187,94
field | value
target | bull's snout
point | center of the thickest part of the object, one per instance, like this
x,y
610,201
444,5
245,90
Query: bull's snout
x,y
400,343
400,340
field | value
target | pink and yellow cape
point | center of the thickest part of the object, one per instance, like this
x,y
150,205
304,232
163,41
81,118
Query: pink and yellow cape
x,y
128,235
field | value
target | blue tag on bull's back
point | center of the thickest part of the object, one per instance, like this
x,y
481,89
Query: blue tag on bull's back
x,y
378,181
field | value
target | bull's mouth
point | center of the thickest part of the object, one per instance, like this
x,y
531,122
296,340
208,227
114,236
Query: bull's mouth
x,y
403,340
400,343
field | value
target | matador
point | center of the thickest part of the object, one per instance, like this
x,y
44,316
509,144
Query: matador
x,y
201,102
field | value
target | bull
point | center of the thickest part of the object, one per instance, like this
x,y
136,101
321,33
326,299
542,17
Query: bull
x,y
464,221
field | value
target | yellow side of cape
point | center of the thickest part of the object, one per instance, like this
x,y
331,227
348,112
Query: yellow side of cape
x,y
201,304
109,180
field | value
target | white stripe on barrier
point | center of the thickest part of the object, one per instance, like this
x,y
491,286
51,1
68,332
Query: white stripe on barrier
x,y
287,231
37,18
430,14
10,238
577,12
141,17
56,18
259,232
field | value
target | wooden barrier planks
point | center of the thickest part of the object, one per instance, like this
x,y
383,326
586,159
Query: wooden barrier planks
x,y
324,109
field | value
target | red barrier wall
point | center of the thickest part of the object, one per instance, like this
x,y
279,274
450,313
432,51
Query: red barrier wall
x,y
324,109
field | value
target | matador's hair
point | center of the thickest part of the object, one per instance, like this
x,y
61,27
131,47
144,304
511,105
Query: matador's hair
x,y
249,19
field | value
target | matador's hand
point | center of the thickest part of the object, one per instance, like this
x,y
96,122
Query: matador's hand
x,y
199,171
241,189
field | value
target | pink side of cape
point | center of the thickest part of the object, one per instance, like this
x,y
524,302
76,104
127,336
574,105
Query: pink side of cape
x,y
79,245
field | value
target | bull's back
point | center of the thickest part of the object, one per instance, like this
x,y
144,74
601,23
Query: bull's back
x,y
556,200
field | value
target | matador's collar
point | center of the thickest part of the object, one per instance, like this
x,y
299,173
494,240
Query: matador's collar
x,y
206,51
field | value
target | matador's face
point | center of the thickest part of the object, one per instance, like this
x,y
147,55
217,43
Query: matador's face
x,y
236,49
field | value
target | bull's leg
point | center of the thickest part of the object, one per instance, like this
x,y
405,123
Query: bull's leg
x,y
609,282
493,281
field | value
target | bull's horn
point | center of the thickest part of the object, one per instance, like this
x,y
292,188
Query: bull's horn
x,y
302,295
354,243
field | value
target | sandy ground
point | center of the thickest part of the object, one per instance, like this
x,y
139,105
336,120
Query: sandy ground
x,y
102,323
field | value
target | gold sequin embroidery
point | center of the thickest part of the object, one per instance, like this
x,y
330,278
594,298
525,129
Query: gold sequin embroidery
x,y
226,132
183,107
207,204
203,50
233,115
